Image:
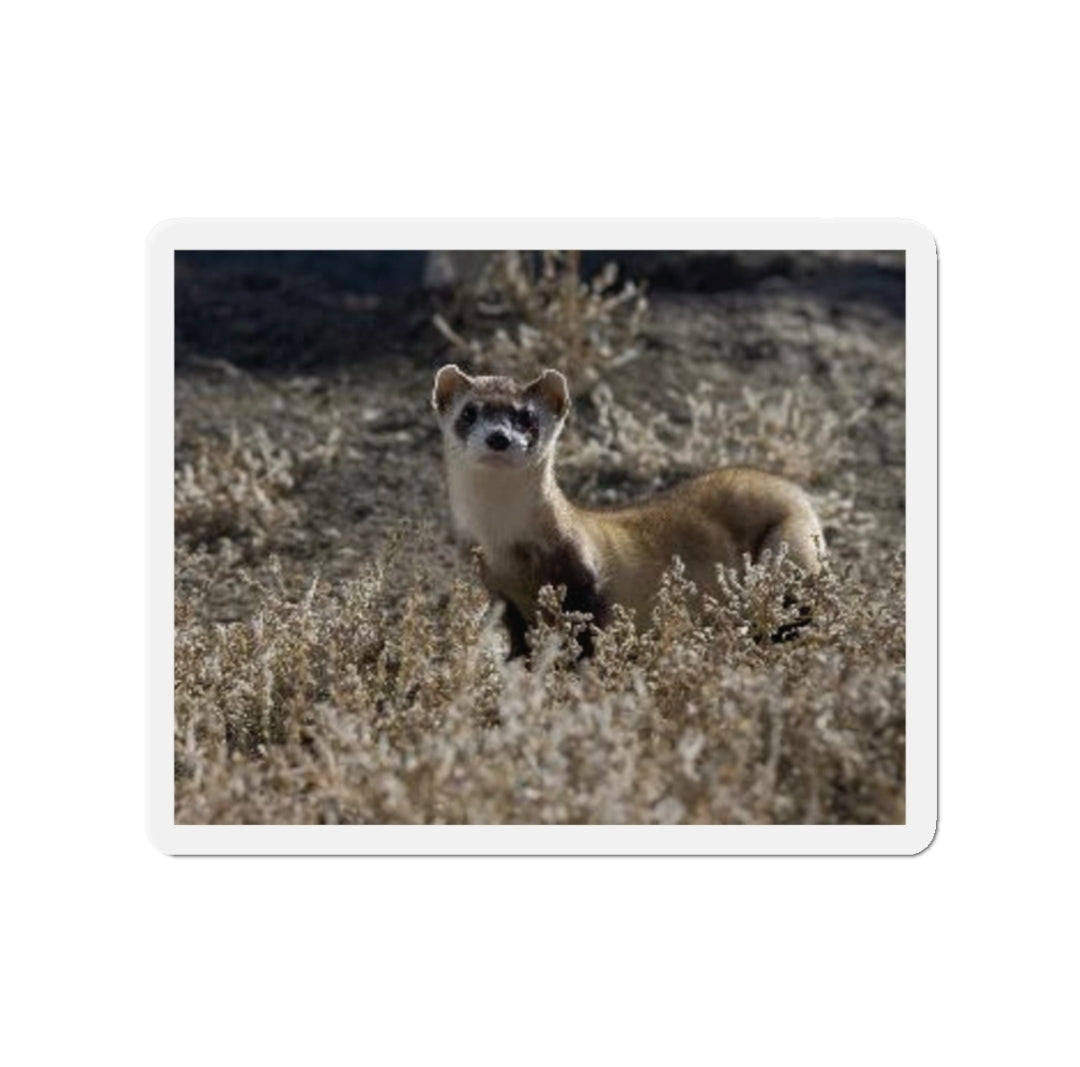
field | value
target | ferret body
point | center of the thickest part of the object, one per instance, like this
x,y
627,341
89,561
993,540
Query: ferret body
x,y
499,443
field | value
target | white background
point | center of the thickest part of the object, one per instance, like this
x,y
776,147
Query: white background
x,y
116,117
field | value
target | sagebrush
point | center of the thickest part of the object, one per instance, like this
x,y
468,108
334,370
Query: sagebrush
x,y
526,313
352,705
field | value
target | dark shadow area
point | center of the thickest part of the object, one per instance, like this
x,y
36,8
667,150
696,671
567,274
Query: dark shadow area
x,y
293,311
299,310
840,277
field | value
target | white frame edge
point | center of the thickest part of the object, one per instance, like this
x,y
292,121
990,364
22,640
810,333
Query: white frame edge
x,y
921,424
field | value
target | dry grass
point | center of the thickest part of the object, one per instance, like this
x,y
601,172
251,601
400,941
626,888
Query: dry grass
x,y
352,705
240,492
330,670
524,316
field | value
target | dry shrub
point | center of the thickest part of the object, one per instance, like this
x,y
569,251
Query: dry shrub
x,y
529,316
241,491
348,705
797,434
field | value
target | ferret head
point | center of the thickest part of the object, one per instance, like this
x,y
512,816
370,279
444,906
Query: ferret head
x,y
496,422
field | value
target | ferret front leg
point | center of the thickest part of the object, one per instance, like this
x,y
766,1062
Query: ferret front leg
x,y
516,628
583,595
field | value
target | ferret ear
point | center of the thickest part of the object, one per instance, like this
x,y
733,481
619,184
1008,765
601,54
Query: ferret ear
x,y
448,381
551,387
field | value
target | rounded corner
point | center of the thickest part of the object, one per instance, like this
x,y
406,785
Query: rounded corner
x,y
923,844
160,230
920,237
159,839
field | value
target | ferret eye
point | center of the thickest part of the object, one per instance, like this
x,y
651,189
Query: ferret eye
x,y
524,420
468,414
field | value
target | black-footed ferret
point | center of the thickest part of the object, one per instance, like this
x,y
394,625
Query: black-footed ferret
x,y
499,442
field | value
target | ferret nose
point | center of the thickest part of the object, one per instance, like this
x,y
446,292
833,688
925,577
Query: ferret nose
x,y
498,441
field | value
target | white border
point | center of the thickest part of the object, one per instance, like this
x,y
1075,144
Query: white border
x,y
921,534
